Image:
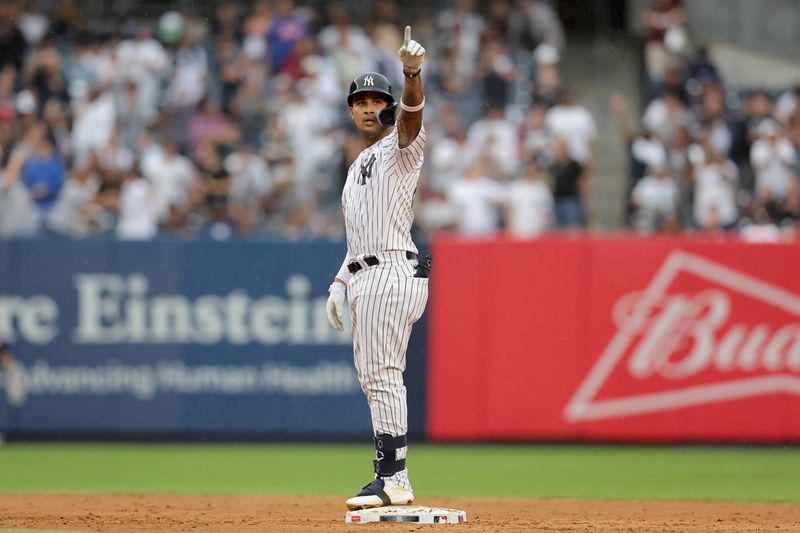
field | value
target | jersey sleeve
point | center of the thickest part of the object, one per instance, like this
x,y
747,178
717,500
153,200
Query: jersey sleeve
x,y
411,157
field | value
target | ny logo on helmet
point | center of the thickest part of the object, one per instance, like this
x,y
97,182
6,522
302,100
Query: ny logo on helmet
x,y
369,80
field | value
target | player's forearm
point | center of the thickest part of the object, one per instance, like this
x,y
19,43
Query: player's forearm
x,y
412,88
409,122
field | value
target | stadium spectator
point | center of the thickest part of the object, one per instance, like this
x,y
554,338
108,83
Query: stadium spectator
x,y
210,125
498,20
529,208
645,150
227,22
43,173
715,180
186,87
665,21
496,73
787,105
248,107
138,212
569,187
535,138
68,21
533,23
18,215
44,75
172,177
655,202
476,199
146,63
449,150
93,125
12,42
495,137
32,22
74,212
289,26
215,178
251,185
665,115
776,185
547,83
575,124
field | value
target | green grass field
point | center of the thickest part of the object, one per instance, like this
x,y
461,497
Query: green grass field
x,y
675,473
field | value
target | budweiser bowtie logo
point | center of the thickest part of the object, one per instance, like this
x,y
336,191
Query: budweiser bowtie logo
x,y
700,333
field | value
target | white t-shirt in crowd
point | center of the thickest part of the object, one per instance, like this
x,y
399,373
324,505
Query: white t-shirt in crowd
x,y
476,203
530,207
715,188
250,178
651,152
66,216
785,106
94,125
575,124
171,179
188,79
145,63
773,166
657,196
137,211
446,160
495,138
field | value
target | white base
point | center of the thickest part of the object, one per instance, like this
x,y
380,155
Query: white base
x,y
406,514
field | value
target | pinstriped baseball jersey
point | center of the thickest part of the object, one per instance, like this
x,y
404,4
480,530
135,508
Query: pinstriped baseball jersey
x,y
378,196
385,299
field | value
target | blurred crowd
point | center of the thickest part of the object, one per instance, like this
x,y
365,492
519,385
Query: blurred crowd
x,y
708,157
236,124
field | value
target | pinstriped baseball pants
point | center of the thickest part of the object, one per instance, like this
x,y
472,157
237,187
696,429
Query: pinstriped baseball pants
x,y
385,301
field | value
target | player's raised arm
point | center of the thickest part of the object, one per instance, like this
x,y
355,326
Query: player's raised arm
x,y
409,121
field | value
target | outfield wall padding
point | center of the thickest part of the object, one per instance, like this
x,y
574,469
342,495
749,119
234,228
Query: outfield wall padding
x,y
610,338
173,337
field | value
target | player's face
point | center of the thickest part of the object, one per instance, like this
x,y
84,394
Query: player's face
x,y
365,111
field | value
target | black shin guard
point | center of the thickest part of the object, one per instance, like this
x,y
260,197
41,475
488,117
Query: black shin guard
x,y
387,463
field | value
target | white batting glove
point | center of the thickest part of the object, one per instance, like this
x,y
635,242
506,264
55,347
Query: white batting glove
x,y
335,306
412,54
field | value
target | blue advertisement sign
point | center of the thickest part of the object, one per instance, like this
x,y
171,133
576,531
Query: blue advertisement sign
x,y
170,337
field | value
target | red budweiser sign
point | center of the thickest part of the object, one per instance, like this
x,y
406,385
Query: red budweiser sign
x,y
616,339
732,336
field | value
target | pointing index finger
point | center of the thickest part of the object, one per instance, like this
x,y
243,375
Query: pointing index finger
x,y
407,37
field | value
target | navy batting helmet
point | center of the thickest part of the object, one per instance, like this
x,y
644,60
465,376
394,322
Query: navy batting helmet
x,y
374,82
370,82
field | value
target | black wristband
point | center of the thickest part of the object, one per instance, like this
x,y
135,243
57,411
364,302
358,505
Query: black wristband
x,y
414,75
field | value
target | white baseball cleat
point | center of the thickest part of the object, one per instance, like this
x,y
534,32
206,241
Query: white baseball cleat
x,y
379,493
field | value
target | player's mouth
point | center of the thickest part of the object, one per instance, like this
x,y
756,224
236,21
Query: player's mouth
x,y
370,121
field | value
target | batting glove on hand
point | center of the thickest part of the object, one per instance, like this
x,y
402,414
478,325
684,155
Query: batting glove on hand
x,y
335,306
412,54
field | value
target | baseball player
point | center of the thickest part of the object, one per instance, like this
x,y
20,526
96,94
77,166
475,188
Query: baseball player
x,y
386,284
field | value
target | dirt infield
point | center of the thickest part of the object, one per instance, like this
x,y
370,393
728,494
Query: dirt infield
x,y
101,513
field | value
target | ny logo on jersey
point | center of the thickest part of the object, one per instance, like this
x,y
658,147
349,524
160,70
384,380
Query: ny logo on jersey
x,y
366,170
369,80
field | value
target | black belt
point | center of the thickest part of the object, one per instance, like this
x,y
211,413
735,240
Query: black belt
x,y
372,261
